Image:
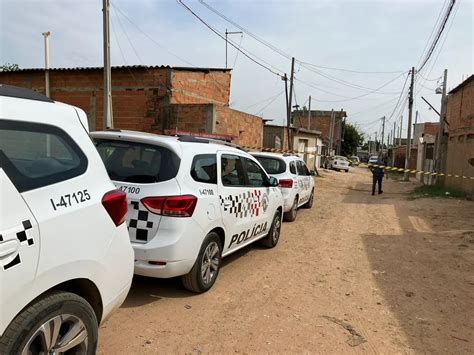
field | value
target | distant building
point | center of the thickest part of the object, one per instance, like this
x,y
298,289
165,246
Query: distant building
x,y
424,139
157,99
304,140
319,120
460,128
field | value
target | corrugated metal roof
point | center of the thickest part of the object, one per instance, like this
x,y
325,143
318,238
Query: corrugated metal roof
x,y
464,83
128,67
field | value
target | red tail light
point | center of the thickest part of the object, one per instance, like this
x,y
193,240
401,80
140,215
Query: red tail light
x,y
286,183
115,203
173,206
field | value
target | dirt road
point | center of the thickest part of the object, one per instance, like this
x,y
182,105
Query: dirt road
x,y
356,274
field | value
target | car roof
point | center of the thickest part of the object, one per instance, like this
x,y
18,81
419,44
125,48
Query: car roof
x,y
177,143
22,93
286,157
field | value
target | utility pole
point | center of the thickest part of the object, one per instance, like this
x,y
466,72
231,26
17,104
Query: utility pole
x,y
309,113
343,125
410,114
400,131
108,121
285,79
331,132
290,97
442,118
383,131
376,145
394,142
46,62
228,33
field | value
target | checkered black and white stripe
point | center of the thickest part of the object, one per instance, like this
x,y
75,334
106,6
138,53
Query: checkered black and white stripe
x,y
140,223
244,204
24,237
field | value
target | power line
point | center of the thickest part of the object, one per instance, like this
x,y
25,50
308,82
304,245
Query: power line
x,y
280,51
229,41
438,35
399,98
268,104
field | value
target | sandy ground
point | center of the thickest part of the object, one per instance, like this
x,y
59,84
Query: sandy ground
x,y
355,274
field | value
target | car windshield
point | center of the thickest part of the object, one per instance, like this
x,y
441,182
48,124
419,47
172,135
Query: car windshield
x,y
374,157
272,165
137,162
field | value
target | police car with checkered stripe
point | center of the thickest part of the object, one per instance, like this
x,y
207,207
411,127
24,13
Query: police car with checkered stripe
x,y
65,258
295,180
192,201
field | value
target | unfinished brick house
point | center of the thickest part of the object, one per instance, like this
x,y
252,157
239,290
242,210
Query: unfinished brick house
x,y
460,155
158,99
319,120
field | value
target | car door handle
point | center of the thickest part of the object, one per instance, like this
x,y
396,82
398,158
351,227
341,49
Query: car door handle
x,y
9,247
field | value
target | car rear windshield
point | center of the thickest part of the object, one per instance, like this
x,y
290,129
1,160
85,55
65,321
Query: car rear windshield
x,y
272,165
137,162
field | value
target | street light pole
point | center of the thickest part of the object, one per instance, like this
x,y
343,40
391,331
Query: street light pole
x,y
229,33
46,62
108,121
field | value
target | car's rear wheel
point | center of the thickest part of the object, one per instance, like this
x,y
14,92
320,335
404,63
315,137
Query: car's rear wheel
x,y
206,268
290,216
309,204
57,323
271,240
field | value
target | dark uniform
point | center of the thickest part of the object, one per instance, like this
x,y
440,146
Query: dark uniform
x,y
377,175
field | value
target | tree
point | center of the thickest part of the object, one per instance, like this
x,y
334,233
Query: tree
x,y
9,67
352,139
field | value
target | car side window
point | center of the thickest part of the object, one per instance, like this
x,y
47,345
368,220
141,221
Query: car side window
x,y
35,155
204,168
256,176
305,168
300,168
232,172
293,167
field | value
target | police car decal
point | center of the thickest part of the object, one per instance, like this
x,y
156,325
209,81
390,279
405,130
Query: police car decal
x,y
22,235
245,235
244,204
139,222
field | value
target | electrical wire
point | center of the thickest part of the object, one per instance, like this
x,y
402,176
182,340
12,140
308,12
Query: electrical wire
x,y
280,51
237,54
230,41
268,104
438,35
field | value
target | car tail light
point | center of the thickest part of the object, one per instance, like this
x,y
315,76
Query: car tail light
x,y
286,183
173,206
115,203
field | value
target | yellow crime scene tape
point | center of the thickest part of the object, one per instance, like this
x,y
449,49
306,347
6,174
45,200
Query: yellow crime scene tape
x,y
391,168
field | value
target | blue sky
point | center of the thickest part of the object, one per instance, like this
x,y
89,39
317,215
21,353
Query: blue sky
x,y
377,35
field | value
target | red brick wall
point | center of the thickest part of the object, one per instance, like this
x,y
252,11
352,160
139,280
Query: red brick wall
x,y
137,97
191,117
460,110
320,121
246,127
200,87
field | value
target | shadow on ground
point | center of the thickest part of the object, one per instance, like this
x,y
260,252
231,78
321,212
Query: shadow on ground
x,y
427,280
146,290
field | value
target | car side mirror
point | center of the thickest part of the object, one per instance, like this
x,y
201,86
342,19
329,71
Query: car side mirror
x,y
273,182
312,173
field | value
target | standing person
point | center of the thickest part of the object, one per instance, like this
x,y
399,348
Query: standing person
x,y
378,172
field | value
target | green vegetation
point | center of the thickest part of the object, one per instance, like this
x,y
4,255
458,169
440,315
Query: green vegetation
x,y
9,67
352,139
436,191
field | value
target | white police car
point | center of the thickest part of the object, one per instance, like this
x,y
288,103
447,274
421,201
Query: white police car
x,y
65,258
295,180
192,201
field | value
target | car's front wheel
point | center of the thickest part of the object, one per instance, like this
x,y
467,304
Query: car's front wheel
x,y
271,240
206,268
57,323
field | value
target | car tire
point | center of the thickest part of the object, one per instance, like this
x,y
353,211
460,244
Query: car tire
x,y
61,313
211,255
290,216
271,240
309,204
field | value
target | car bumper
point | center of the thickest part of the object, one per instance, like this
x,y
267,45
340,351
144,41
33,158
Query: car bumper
x,y
176,246
340,167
